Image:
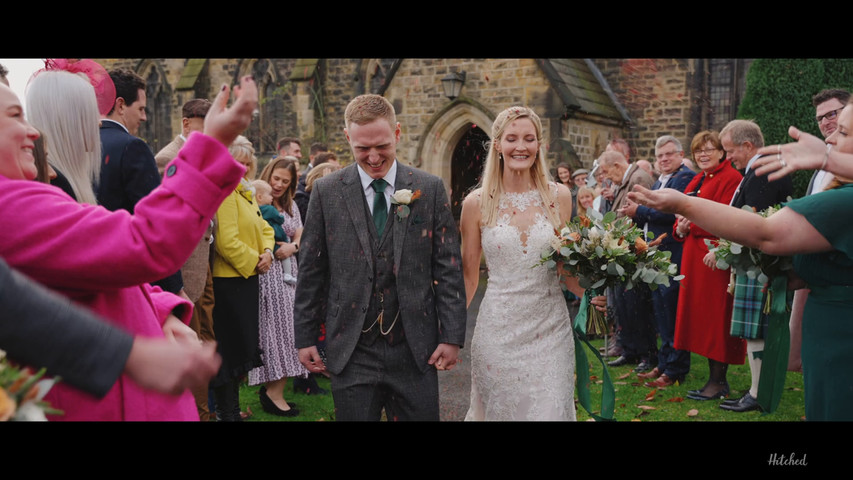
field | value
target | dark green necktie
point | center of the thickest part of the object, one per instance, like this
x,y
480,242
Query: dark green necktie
x,y
380,208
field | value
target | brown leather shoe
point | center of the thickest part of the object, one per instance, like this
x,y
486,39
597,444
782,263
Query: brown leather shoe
x,y
662,381
651,374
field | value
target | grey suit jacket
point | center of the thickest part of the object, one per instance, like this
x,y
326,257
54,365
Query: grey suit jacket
x,y
336,267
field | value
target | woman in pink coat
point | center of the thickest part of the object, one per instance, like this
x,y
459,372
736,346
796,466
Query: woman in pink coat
x,y
104,260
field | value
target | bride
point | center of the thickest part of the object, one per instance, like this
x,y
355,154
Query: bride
x,y
522,351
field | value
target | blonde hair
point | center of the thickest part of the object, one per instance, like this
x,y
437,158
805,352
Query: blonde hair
x,y
241,148
261,186
63,106
492,179
318,172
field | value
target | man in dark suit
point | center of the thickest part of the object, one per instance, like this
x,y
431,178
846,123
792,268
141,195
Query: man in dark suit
x,y
632,308
128,169
742,139
673,364
384,276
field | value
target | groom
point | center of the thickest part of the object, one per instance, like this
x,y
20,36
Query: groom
x,y
383,274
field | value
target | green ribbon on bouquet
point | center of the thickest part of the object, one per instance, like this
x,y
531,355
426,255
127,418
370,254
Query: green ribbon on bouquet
x,y
608,394
777,343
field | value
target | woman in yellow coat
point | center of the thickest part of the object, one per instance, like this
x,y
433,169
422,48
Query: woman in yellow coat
x,y
243,243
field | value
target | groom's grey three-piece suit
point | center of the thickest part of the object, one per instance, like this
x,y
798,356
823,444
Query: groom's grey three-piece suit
x,y
346,270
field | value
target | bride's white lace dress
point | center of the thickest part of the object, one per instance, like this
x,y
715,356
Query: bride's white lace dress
x,y
522,351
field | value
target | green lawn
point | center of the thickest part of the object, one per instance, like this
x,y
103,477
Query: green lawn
x,y
312,408
634,401
638,403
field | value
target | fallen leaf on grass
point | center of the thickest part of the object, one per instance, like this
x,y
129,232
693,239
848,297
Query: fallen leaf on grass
x,y
651,395
646,407
620,383
675,399
623,377
692,412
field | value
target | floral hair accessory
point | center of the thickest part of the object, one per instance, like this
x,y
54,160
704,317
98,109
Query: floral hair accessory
x,y
105,89
403,198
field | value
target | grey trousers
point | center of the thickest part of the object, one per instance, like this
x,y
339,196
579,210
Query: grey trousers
x,y
379,375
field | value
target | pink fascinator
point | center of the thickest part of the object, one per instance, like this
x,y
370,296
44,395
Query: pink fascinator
x,y
105,90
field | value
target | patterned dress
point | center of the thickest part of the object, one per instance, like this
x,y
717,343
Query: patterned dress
x,y
280,357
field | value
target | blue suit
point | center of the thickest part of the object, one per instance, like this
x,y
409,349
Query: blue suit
x,y
674,363
128,173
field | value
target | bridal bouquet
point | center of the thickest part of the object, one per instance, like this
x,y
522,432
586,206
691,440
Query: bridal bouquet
x,y
21,393
604,251
748,261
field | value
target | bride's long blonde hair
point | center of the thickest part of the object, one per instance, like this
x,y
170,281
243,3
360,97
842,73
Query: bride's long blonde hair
x,y
491,183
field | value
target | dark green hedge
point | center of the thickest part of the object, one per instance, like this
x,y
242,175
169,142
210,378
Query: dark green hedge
x,y
778,95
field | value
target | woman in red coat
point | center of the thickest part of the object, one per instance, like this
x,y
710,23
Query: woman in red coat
x,y
704,305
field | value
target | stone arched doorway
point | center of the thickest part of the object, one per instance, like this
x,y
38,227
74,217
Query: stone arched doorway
x,y
466,166
454,148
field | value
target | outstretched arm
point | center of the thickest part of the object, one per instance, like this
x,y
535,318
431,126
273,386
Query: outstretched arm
x,y
784,233
806,153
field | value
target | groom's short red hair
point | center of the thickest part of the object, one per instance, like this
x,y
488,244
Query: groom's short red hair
x,y
367,108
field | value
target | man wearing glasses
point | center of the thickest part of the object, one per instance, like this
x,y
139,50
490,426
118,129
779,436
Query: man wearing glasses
x,y
828,104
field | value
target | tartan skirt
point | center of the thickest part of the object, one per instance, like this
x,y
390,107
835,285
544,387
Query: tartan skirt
x,y
748,301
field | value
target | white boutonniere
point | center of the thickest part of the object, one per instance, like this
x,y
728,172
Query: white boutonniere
x,y
403,198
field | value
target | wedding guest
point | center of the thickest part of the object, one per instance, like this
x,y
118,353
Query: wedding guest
x,y
633,319
243,252
45,172
814,229
263,195
302,195
196,273
281,359
564,174
586,197
704,313
108,258
673,364
742,139
71,125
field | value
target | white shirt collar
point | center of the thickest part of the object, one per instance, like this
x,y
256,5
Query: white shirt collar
x,y
625,175
749,164
389,177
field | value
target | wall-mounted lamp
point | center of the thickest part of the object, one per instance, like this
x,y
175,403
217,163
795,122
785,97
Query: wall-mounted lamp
x,y
452,84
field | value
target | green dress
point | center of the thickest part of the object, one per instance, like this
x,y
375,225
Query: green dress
x,y
827,349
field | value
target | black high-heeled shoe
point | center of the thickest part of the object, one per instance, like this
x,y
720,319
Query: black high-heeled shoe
x,y
270,407
699,396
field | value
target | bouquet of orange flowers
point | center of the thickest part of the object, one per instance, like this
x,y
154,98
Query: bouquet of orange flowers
x,y
603,251
21,393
